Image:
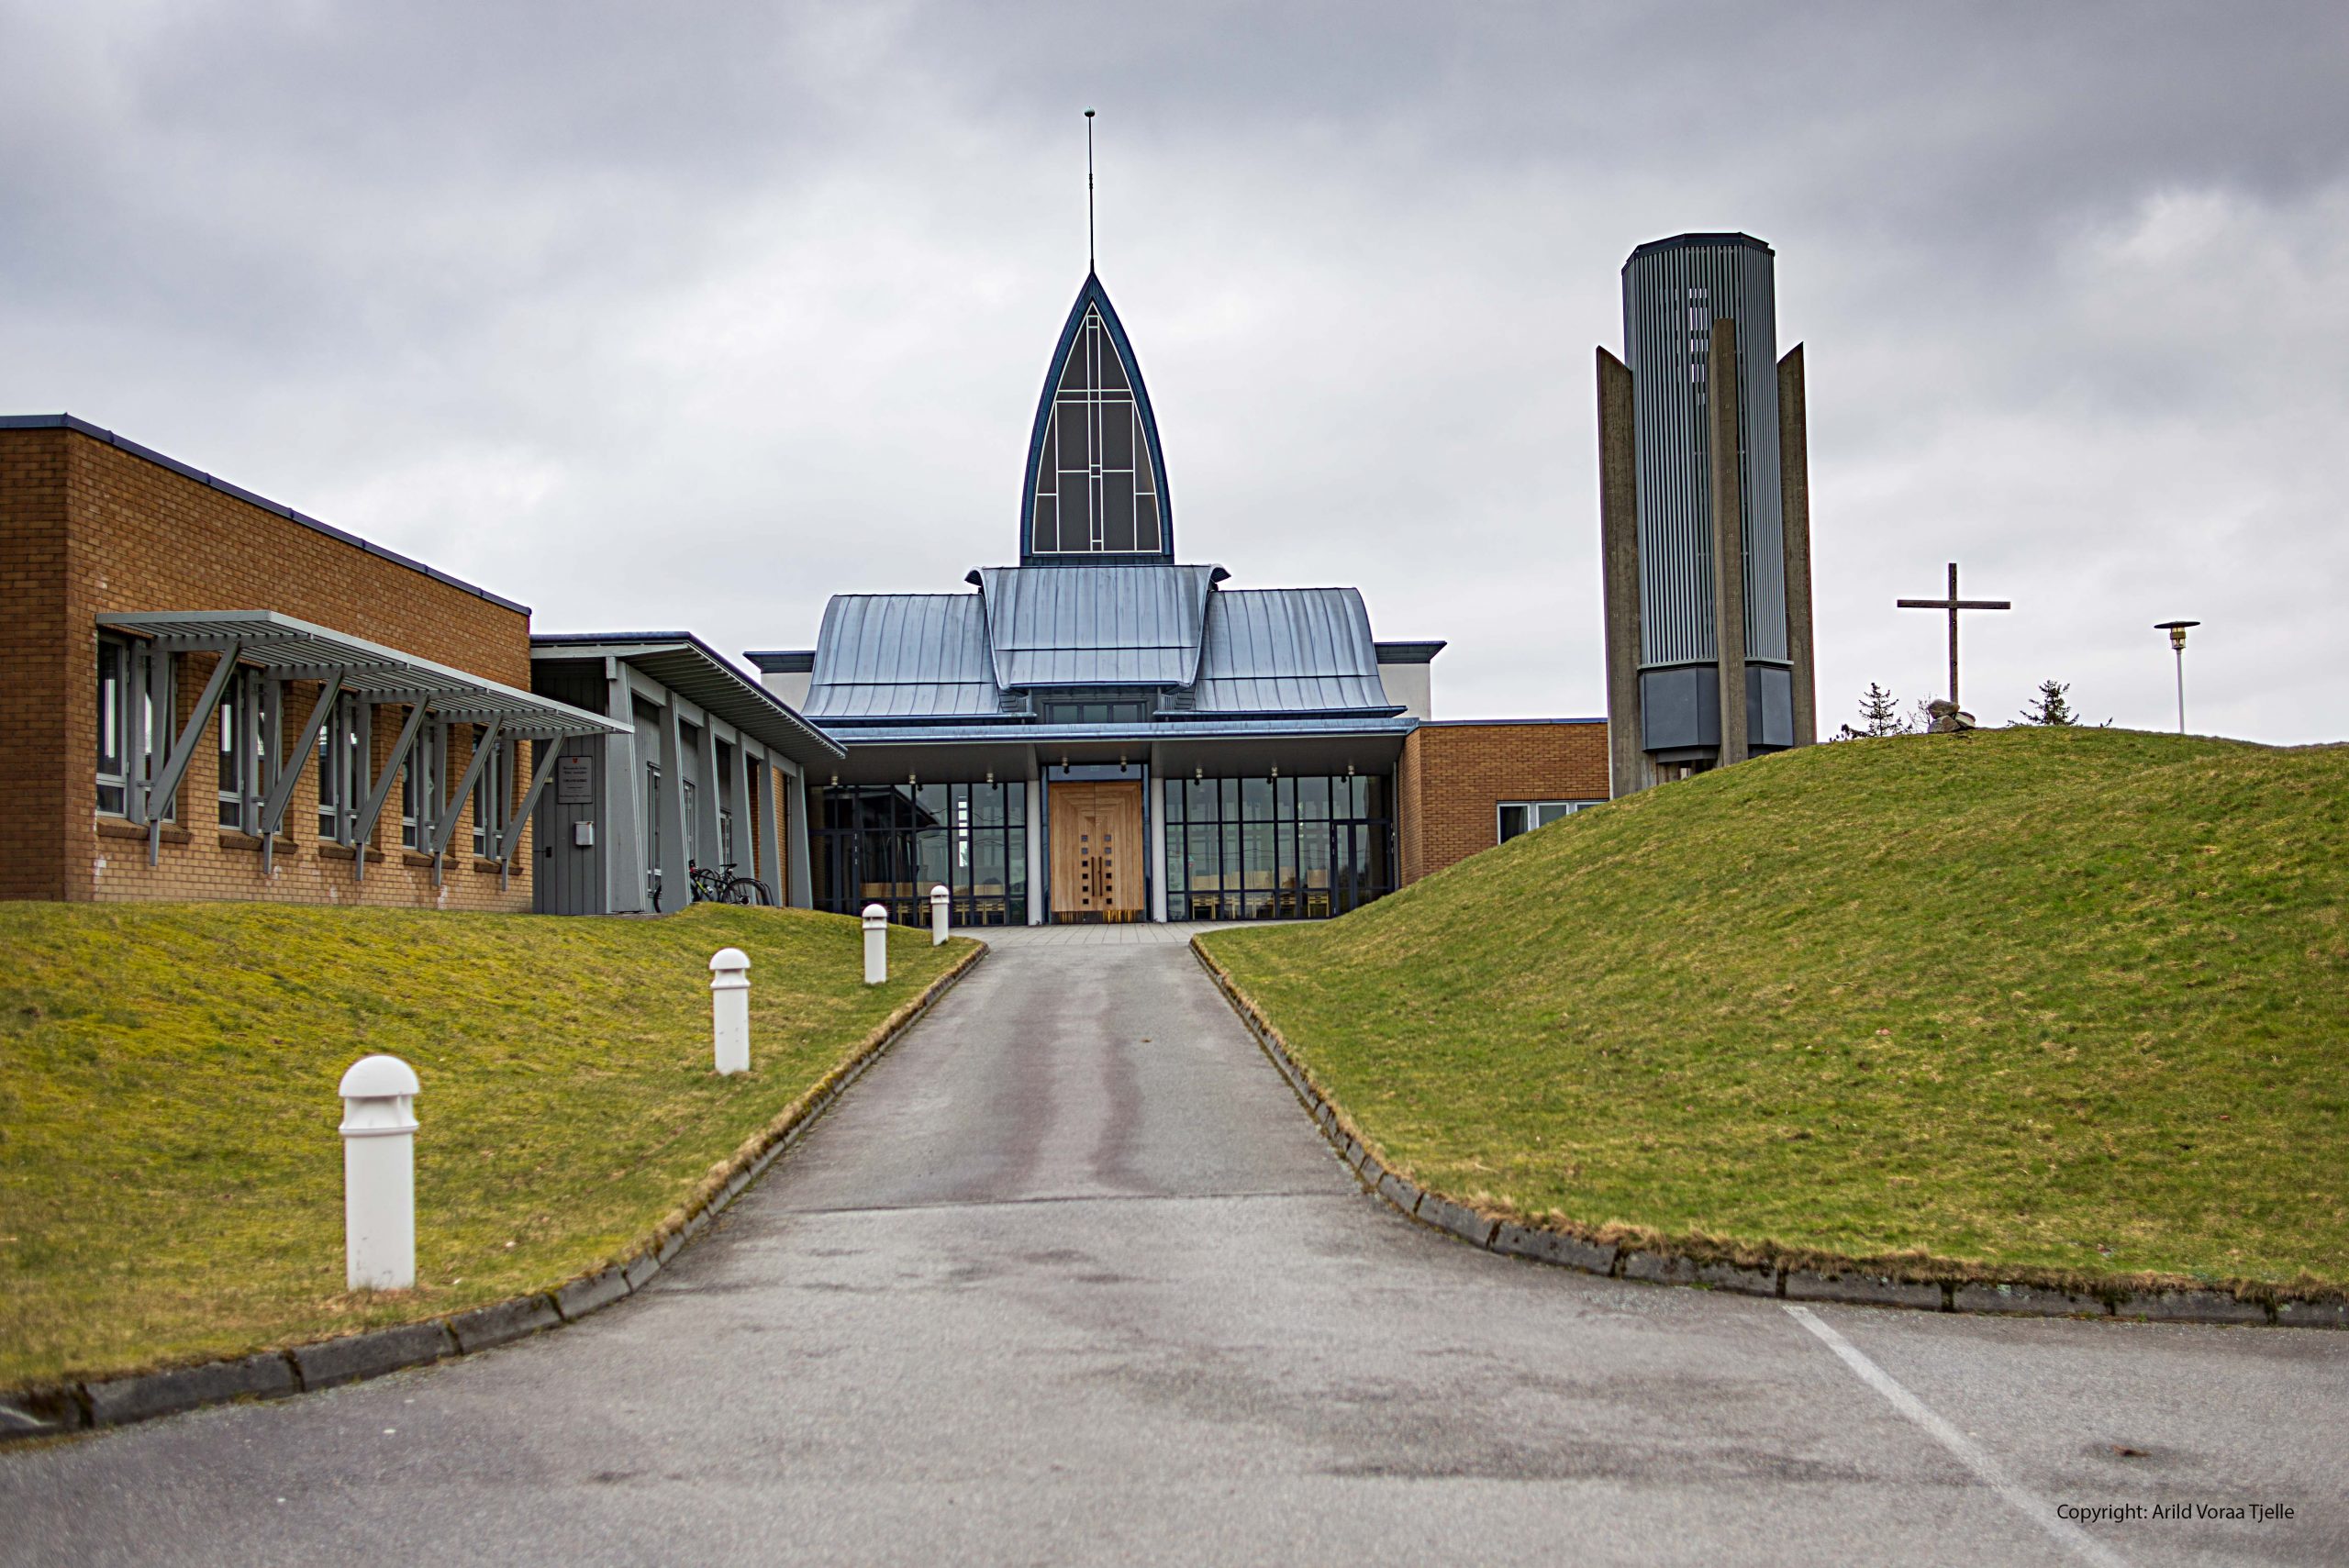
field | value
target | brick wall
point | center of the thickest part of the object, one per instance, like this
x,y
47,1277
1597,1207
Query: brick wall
x,y
1453,777
87,528
36,648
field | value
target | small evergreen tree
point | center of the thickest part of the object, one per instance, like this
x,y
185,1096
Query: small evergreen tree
x,y
1879,714
2051,707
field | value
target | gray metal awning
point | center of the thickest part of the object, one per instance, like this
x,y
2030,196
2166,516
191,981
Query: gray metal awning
x,y
296,649
689,667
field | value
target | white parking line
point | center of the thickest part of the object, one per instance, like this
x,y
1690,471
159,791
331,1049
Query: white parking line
x,y
1969,1452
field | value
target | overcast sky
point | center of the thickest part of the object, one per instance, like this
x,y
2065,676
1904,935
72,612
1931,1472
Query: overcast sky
x,y
659,316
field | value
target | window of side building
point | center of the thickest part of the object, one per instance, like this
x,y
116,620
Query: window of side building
x,y
492,794
1518,816
342,768
130,745
242,753
113,725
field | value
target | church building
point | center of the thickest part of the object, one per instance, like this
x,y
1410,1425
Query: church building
x,y
1106,732
223,698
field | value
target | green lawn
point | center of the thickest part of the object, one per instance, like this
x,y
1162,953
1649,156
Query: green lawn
x,y
2054,1004
171,1180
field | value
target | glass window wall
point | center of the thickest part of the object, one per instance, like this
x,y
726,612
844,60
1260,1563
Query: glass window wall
x,y
890,844
1277,849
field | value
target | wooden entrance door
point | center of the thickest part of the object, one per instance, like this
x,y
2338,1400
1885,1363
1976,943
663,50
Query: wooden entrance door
x,y
1098,851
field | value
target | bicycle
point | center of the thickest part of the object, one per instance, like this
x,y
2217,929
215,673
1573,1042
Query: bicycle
x,y
719,885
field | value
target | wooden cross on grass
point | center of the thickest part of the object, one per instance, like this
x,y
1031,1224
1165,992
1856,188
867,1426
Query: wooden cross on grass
x,y
1952,605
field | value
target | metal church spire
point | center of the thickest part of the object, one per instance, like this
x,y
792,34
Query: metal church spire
x,y
1096,486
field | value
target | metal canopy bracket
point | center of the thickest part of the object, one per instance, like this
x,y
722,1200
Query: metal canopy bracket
x,y
184,750
446,828
273,811
511,838
374,809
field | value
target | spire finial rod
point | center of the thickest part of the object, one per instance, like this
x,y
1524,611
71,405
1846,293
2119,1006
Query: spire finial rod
x,y
1089,191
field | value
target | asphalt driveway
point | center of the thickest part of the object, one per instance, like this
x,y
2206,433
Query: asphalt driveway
x,y
1069,1277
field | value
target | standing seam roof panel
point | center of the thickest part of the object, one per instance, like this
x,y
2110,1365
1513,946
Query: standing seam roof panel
x,y
1289,651
916,655
1096,625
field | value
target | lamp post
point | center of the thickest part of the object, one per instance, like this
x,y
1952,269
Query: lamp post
x,y
2176,629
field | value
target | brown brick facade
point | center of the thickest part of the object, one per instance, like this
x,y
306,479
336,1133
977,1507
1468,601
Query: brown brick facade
x,y
88,528
1453,777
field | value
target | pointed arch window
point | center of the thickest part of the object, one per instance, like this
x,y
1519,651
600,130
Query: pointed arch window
x,y
1095,490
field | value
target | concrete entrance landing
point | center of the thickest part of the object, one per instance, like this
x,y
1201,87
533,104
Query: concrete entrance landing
x,y
1129,933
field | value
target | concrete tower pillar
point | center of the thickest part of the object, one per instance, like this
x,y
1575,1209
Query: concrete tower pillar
x,y
1722,434
1628,767
1794,492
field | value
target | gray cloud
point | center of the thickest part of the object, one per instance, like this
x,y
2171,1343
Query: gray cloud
x,y
696,315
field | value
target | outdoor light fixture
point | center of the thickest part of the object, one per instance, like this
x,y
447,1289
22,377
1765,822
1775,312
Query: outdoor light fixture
x,y
990,776
2176,629
1199,773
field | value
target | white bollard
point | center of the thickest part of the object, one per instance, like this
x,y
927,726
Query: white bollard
x,y
729,1009
940,905
379,1173
877,944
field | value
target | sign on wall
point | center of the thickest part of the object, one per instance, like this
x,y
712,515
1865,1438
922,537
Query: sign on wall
x,y
574,780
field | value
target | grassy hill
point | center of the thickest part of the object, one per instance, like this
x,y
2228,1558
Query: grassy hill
x,y
2064,1004
171,1180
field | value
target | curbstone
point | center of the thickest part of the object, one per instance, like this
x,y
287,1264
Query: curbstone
x,y
1555,1247
1665,1268
503,1320
1659,1268
2038,1300
2191,1306
118,1401
1862,1289
1462,1221
1744,1279
2313,1314
42,1412
642,1267
669,1247
1399,1193
347,1360
593,1294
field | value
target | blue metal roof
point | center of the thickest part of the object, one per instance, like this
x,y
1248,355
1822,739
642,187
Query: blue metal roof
x,y
1180,729
1095,626
903,656
1287,654
1294,650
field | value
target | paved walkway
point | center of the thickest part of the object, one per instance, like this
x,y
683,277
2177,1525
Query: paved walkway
x,y
1068,1278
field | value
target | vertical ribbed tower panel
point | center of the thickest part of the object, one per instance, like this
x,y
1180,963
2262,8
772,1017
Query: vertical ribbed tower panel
x,y
1673,291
